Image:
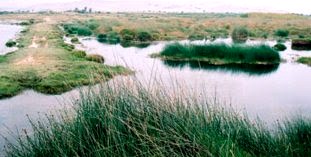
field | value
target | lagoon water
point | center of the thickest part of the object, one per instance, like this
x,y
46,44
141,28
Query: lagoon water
x,y
7,32
268,92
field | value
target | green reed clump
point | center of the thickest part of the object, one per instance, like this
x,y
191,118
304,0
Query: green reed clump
x,y
280,47
130,120
235,53
304,60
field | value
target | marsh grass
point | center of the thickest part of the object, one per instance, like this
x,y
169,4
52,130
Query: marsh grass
x,y
10,43
221,53
280,47
128,119
305,60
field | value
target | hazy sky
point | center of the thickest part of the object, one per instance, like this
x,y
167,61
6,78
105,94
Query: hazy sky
x,y
293,6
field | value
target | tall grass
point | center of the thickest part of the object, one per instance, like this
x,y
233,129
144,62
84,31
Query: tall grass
x,y
235,53
122,120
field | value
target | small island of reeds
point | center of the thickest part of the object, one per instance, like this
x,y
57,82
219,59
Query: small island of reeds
x,y
220,53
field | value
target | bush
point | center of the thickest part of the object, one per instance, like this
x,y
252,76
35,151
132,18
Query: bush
x,y
92,24
222,53
68,47
84,31
113,36
110,37
128,35
239,34
10,43
77,29
79,54
95,58
279,47
305,60
102,36
281,33
75,40
144,36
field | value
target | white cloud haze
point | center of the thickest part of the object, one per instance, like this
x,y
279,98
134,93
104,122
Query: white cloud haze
x,y
297,6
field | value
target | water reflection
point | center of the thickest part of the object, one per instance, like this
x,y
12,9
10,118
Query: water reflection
x,y
250,69
135,44
124,44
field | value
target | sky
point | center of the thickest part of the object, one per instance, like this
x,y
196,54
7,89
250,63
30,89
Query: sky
x,y
283,6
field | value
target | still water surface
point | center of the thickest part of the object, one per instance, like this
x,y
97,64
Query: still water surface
x,y
8,32
268,92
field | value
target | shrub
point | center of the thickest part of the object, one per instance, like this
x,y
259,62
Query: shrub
x,y
305,60
239,34
84,31
95,58
113,36
68,47
92,24
110,37
10,43
79,54
301,44
102,36
279,47
128,35
144,36
75,40
281,33
77,29
235,53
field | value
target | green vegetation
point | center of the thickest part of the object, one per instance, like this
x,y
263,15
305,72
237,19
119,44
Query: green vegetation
x,y
144,36
196,37
301,44
95,58
281,33
79,54
110,37
239,34
279,47
128,35
52,66
221,53
10,43
77,29
305,60
121,120
74,40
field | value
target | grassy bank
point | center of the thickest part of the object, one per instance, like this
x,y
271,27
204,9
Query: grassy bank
x,y
220,53
305,60
174,26
47,65
123,120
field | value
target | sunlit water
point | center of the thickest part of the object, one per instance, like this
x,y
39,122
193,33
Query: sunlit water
x,y
268,92
7,32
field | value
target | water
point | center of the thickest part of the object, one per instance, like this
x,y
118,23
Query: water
x,y
267,92
8,32
270,92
